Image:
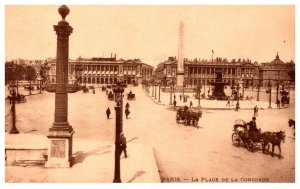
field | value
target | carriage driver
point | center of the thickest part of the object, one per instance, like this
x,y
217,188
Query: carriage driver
x,y
253,131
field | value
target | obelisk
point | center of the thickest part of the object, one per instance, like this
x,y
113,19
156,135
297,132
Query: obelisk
x,y
180,61
60,135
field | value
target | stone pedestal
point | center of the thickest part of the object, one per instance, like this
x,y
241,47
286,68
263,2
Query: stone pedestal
x,y
59,149
180,79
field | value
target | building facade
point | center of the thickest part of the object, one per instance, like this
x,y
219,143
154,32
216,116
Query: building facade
x,y
99,71
203,72
277,71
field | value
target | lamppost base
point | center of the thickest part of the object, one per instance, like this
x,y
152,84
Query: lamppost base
x,y
14,131
117,180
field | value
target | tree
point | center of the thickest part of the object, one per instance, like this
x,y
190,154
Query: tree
x,y
30,75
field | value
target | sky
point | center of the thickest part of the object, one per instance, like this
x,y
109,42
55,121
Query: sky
x,y
151,33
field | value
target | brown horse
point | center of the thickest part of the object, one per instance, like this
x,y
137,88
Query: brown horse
x,y
274,138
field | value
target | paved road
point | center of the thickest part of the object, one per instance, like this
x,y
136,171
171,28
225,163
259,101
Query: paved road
x,y
181,152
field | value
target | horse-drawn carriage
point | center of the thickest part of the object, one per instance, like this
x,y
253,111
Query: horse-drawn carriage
x,y
28,87
110,96
188,116
130,96
85,89
103,88
242,137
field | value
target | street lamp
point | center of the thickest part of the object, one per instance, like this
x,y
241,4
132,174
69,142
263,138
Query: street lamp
x,y
238,91
118,91
159,83
155,85
199,93
258,89
12,91
270,90
40,82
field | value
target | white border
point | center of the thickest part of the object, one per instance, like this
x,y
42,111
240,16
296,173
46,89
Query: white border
x,y
143,2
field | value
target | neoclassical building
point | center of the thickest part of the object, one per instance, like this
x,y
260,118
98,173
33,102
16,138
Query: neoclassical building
x,y
99,71
277,71
203,72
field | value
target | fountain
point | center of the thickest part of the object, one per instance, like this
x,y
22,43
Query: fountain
x,y
218,90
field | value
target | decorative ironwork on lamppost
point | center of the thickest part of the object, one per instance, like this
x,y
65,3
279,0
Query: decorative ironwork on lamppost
x,y
118,91
12,91
270,91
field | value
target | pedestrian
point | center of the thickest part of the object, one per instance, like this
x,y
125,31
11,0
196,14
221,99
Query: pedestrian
x,y
255,111
180,97
174,97
106,92
174,103
123,144
93,91
191,104
237,106
108,113
228,101
127,112
127,105
278,103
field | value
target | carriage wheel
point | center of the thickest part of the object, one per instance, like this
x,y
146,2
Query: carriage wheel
x,y
250,145
236,140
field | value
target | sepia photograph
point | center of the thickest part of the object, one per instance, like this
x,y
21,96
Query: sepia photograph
x,y
149,93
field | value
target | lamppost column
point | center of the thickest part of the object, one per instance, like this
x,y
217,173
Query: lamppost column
x,y
258,89
270,93
117,173
155,91
159,93
14,129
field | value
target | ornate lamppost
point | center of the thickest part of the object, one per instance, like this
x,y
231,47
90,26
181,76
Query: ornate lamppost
x,y
270,91
12,91
39,78
159,83
155,85
118,90
238,91
258,89
199,93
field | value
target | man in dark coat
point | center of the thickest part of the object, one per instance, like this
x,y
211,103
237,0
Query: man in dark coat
x,y
108,113
123,144
127,112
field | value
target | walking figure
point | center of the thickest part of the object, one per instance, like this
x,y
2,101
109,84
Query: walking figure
x,y
174,97
237,107
108,113
127,112
106,92
228,101
93,91
278,103
180,97
127,105
174,103
256,111
123,144
191,103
